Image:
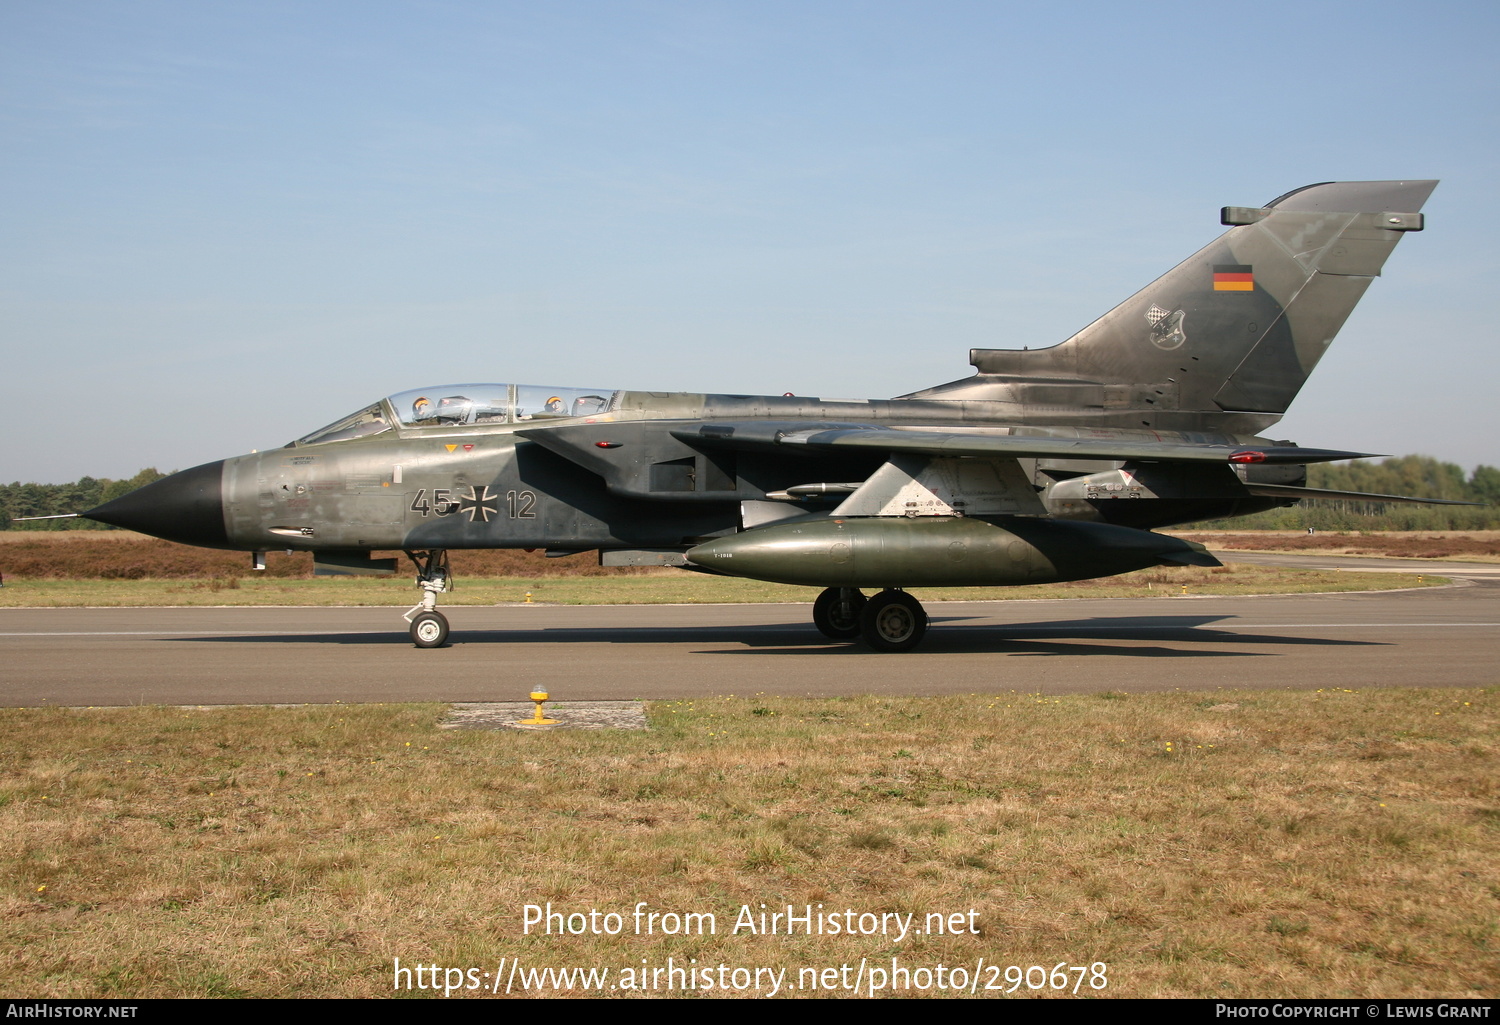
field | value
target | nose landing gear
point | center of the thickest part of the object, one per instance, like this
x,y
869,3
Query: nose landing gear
x,y
429,627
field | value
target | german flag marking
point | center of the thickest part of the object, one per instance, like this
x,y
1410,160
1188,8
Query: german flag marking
x,y
1233,277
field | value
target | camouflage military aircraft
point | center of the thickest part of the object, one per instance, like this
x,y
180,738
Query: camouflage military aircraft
x,y
1046,465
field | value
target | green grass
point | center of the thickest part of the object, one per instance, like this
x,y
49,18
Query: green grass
x,y
1223,844
668,586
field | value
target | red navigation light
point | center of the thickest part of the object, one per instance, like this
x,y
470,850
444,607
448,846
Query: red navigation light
x,y
606,444
1248,457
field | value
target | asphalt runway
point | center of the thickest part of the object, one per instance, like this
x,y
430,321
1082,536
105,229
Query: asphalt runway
x,y
1433,637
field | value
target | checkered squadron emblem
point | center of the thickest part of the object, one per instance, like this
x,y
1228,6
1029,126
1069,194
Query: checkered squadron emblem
x,y
1166,328
478,504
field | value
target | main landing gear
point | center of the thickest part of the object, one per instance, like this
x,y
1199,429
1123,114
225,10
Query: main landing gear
x,y
836,613
891,621
429,627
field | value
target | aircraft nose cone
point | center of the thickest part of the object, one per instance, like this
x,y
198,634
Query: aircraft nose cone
x,y
186,507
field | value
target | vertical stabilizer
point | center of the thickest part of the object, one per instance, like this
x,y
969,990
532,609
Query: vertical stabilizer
x,y
1238,326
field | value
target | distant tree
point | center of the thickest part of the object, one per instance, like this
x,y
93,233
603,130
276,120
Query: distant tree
x,y
33,500
1484,486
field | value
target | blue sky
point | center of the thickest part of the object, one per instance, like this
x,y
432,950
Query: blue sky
x,y
226,224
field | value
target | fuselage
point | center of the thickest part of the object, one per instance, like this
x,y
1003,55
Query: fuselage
x,y
602,470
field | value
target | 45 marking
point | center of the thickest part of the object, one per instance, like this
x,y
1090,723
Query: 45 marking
x,y
519,505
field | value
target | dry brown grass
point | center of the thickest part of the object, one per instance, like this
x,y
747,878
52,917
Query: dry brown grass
x,y
1220,844
119,555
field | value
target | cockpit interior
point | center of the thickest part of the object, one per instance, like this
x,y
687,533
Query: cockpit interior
x,y
466,405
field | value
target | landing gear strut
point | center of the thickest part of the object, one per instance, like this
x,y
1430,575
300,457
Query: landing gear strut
x,y
429,627
836,613
893,621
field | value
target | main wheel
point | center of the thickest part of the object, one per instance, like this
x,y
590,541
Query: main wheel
x,y
429,630
836,613
893,621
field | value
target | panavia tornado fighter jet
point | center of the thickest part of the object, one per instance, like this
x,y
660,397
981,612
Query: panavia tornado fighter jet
x,y
1046,465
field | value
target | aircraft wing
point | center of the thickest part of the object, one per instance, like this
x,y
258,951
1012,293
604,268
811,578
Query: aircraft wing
x,y
632,455
763,435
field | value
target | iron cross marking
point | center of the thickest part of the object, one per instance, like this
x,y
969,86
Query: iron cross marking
x,y
479,504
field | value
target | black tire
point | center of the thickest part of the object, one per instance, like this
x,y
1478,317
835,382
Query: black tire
x,y
429,630
837,612
893,621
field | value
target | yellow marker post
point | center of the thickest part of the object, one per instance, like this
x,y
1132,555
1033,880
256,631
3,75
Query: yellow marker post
x,y
538,717
528,597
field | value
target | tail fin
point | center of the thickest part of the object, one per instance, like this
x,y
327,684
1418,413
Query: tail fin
x,y
1238,326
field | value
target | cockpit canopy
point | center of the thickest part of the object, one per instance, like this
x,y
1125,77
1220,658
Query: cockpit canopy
x,y
465,405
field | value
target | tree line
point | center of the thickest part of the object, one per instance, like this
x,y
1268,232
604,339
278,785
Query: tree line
x,y
1416,475
17,499
1419,475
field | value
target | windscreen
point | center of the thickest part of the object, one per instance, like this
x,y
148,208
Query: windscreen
x,y
370,420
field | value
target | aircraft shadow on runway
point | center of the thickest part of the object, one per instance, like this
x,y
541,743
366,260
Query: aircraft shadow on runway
x,y
952,636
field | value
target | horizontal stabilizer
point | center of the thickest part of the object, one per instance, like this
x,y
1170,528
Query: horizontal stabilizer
x,y
1286,491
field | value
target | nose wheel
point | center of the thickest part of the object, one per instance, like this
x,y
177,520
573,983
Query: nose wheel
x,y
429,630
893,621
429,627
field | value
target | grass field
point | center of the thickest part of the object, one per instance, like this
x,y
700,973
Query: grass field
x,y
1222,844
1333,844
